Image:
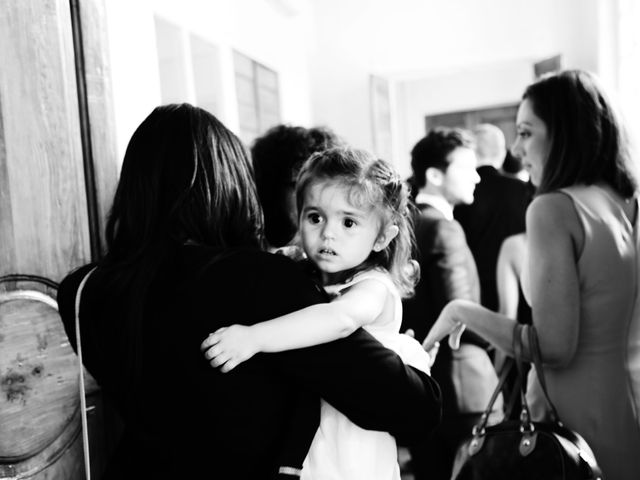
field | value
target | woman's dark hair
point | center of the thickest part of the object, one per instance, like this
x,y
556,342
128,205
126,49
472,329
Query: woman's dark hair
x,y
587,141
277,157
185,179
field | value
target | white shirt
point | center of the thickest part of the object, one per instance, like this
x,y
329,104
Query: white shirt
x,y
439,203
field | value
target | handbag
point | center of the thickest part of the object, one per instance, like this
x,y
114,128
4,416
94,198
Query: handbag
x,y
83,401
521,448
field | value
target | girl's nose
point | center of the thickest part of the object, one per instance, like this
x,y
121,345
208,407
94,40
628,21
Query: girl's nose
x,y
327,232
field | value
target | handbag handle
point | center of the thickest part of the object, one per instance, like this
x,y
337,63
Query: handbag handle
x,y
534,352
525,414
479,428
83,400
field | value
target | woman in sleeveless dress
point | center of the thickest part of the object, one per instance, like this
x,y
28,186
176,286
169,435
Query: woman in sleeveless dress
x,y
581,274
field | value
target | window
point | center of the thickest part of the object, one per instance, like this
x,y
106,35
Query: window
x,y
189,68
258,97
503,117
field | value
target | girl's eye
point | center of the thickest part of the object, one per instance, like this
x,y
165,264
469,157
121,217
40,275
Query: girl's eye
x,y
314,218
524,134
349,223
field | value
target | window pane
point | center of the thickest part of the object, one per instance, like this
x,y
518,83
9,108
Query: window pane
x,y
205,62
243,64
171,62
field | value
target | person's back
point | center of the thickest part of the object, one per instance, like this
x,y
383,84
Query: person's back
x,y
185,412
594,394
184,259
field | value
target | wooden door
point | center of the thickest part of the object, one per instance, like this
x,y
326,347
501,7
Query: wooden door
x,y
54,111
503,116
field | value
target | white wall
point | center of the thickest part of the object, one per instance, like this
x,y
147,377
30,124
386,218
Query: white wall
x,y
456,90
275,33
440,56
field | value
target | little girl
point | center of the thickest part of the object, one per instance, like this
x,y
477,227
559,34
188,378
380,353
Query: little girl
x,y
354,228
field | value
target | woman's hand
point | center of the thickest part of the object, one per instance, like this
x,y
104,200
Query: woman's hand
x,y
448,323
228,347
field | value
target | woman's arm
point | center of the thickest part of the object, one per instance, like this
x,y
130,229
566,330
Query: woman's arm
x,y
358,306
555,240
554,236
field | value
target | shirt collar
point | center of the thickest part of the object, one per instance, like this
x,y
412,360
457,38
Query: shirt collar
x,y
439,203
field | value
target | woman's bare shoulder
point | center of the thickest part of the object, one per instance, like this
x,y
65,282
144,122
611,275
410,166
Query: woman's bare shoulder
x,y
553,212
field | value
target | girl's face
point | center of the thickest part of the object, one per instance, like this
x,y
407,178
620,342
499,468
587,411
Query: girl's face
x,y
335,234
532,144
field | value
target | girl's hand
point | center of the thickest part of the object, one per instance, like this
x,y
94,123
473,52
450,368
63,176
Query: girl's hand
x,y
228,347
433,352
446,324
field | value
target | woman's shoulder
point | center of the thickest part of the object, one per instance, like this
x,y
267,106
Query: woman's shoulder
x,y
257,268
70,283
514,243
249,260
553,216
66,296
557,207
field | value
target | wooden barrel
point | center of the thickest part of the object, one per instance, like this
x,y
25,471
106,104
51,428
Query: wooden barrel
x,y
39,400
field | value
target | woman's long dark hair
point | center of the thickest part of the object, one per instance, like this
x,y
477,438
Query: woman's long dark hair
x,y
588,143
185,179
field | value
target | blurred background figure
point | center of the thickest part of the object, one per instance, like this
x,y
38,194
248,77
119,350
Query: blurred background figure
x,y
512,167
444,172
277,158
498,209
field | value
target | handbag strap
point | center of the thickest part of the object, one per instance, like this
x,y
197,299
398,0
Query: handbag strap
x,y
534,352
584,450
83,400
484,418
518,348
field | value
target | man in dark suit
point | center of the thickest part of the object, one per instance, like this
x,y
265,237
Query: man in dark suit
x,y
444,172
497,211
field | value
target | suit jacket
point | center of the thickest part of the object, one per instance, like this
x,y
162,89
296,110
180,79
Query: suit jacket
x,y
497,212
447,271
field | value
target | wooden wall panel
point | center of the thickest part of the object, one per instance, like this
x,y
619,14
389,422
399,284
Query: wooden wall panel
x,y
100,104
6,217
46,232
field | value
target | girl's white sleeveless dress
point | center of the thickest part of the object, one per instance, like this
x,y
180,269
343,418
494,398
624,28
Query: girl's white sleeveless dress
x,y
340,449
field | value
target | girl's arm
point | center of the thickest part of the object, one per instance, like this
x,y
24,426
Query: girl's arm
x,y
360,305
554,240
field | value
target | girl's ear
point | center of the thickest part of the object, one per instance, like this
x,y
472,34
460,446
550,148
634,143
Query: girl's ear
x,y
385,238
